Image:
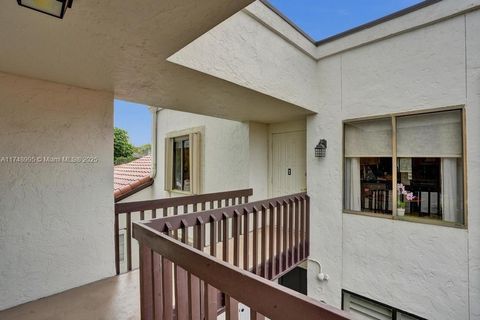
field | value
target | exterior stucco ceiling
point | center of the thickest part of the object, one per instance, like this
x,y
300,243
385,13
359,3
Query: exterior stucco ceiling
x,y
123,46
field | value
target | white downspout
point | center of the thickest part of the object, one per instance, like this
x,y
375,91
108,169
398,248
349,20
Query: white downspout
x,y
155,111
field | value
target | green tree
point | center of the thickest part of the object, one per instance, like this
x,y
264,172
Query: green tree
x,y
143,150
121,145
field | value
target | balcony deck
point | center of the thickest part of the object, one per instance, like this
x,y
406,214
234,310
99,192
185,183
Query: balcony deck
x,y
115,298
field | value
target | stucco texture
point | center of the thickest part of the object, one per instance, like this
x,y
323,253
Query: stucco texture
x,y
56,219
422,269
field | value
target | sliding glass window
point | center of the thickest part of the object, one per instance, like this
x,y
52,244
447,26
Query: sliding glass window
x,y
368,166
428,167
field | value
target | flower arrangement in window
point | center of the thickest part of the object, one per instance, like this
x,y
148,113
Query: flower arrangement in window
x,y
403,197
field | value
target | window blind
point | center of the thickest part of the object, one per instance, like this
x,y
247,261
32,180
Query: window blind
x,y
370,138
430,135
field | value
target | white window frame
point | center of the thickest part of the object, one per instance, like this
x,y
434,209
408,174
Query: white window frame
x,y
394,216
195,140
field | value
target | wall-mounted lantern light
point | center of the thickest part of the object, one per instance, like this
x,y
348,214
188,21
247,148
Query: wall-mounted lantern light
x,y
321,149
56,8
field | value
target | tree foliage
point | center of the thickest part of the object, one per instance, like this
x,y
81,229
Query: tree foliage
x,y
121,145
143,150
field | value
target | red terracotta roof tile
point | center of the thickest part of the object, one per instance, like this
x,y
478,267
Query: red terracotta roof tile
x,y
129,176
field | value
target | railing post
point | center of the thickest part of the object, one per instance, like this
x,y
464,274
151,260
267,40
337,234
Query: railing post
x,y
129,241
117,245
146,283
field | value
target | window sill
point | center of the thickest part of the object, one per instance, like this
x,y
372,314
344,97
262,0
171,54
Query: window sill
x,y
185,193
369,214
408,219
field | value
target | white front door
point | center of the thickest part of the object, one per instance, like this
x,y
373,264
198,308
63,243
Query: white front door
x,y
288,163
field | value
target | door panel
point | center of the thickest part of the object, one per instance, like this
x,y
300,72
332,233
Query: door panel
x,y
288,163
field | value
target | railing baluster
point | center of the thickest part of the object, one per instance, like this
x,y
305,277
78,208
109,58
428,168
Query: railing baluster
x,y
246,239
210,292
194,295
220,223
157,286
181,283
146,283
297,230
264,229
196,289
291,232
225,244
129,241
117,245
302,228
256,316
255,241
175,213
211,307
285,236
236,238
271,237
307,227
213,236
167,280
231,308
279,238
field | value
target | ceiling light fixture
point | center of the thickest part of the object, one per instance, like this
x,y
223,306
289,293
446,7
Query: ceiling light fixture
x,y
55,8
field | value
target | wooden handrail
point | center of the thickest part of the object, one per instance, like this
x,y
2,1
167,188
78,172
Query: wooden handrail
x,y
267,238
166,207
260,295
180,201
267,222
177,222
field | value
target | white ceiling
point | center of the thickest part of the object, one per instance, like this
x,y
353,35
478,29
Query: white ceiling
x,y
122,46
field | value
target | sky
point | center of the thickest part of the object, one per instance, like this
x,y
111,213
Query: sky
x,y
318,18
136,119
323,18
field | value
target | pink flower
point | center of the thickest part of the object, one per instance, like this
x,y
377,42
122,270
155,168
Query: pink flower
x,y
410,196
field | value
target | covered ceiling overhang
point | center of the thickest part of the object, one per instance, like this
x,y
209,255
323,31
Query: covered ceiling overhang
x,y
123,46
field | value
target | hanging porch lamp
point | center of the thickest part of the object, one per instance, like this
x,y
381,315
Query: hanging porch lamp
x,y
55,8
321,149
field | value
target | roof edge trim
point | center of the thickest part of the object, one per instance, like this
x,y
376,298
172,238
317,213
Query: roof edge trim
x,y
348,32
378,21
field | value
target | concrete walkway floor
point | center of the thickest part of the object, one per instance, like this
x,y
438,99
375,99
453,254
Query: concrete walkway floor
x,y
115,298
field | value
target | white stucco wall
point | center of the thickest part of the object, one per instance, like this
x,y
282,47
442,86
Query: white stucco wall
x,y
55,218
244,51
258,160
224,151
422,269
473,156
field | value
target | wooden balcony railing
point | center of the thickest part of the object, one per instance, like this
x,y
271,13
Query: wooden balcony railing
x,y
182,276
152,209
